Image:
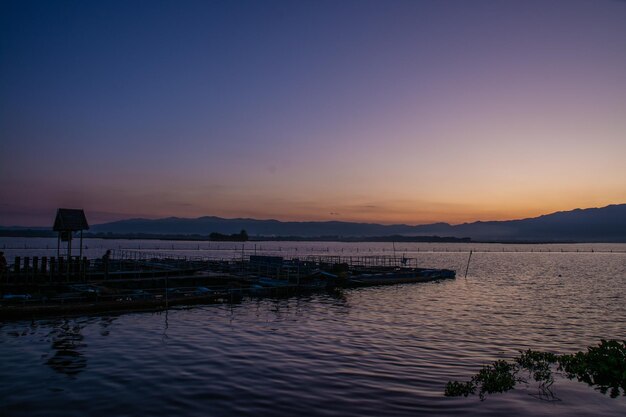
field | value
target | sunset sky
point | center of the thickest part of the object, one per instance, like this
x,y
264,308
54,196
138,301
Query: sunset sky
x,y
383,111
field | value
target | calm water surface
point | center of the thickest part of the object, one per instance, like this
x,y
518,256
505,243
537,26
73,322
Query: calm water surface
x,y
363,352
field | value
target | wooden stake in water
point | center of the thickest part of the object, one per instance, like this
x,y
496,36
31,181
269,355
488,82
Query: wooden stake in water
x,y
166,292
468,262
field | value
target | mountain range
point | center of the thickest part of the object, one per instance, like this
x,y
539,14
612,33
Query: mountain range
x,y
606,224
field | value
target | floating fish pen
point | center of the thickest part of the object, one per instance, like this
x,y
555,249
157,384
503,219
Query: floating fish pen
x,y
136,281
118,265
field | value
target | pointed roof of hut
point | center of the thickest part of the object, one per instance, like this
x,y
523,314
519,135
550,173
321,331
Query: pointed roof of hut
x,y
70,220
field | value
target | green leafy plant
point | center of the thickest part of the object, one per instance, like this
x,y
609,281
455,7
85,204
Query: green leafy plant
x,y
602,366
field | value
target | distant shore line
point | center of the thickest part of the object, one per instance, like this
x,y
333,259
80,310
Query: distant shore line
x,y
34,233
216,237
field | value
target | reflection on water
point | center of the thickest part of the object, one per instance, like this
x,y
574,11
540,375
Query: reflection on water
x,y
105,323
67,345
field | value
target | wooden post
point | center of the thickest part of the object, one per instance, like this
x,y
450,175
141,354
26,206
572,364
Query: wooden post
x,y
27,269
53,267
75,266
44,265
80,256
69,253
61,266
166,291
468,263
17,265
35,266
84,266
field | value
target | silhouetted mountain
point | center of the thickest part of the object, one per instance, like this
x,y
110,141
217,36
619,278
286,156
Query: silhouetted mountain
x,y
607,224
207,225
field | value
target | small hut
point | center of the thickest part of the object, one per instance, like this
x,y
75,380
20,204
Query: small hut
x,y
66,223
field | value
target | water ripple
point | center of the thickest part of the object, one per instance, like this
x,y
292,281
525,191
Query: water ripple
x,y
363,352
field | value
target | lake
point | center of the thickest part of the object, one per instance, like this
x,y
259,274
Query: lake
x,y
359,352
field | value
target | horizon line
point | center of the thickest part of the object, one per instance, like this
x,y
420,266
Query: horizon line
x,y
327,221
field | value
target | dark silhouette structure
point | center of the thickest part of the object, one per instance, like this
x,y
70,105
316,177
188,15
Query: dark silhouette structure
x,y
3,265
67,222
106,258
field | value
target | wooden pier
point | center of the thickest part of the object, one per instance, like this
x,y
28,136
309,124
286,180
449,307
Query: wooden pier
x,y
122,281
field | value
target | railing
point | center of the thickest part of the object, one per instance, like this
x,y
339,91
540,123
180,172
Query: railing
x,y
365,261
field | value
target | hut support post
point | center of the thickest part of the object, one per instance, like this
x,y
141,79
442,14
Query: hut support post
x,y
69,254
80,258
81,244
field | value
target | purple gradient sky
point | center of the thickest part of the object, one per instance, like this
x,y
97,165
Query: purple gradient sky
x,y
383,111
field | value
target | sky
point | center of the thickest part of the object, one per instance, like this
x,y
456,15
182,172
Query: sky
x,y
380,111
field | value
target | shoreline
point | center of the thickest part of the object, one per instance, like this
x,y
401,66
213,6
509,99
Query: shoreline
x,y
26,234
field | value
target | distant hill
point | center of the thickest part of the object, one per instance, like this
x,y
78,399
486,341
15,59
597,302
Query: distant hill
x,y
607,224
